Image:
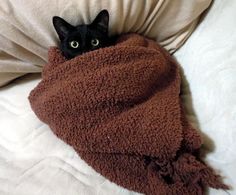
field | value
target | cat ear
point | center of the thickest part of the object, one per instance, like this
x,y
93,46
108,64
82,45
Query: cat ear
x,y
101,21
61,26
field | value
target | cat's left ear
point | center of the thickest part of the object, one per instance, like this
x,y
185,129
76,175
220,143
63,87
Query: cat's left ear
x,y
101,21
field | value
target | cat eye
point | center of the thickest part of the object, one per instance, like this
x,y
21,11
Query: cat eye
x,y
94,42
74,44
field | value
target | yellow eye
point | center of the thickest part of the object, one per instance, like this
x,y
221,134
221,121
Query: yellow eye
x,y
74,44
94,42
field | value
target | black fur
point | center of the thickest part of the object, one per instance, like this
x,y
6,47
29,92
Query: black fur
x,y
84,35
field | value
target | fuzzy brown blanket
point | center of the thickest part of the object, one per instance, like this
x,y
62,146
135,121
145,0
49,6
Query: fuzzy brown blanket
x,y
119,107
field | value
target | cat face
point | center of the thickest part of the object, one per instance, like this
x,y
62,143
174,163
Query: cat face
x,y
76,40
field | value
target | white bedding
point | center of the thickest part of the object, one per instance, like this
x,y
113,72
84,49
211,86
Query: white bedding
x,y
34,162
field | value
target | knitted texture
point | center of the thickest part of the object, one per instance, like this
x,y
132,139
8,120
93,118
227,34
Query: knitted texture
x,y
119,107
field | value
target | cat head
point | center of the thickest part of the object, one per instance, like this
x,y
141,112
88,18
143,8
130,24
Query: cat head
x,y
76,40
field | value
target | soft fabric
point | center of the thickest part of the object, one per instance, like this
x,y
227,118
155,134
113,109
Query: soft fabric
x,y
26,29
119,107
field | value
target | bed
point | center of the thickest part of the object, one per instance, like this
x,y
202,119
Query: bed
x,y
34,161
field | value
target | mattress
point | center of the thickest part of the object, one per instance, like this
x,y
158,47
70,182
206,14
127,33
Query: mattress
x,y
33,161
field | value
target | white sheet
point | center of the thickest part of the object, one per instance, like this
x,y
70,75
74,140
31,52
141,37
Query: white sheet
x,y
209,62
34,162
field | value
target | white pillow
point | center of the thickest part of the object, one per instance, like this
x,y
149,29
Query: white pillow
x,y
26,29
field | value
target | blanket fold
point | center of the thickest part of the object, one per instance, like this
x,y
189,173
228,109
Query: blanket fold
x,y
119,107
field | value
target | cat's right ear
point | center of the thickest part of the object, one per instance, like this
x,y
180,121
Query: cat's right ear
x,y
61,26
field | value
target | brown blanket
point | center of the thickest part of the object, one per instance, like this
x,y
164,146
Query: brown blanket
x,y
119,107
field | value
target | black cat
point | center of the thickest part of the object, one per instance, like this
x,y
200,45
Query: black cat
x,y
76,40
